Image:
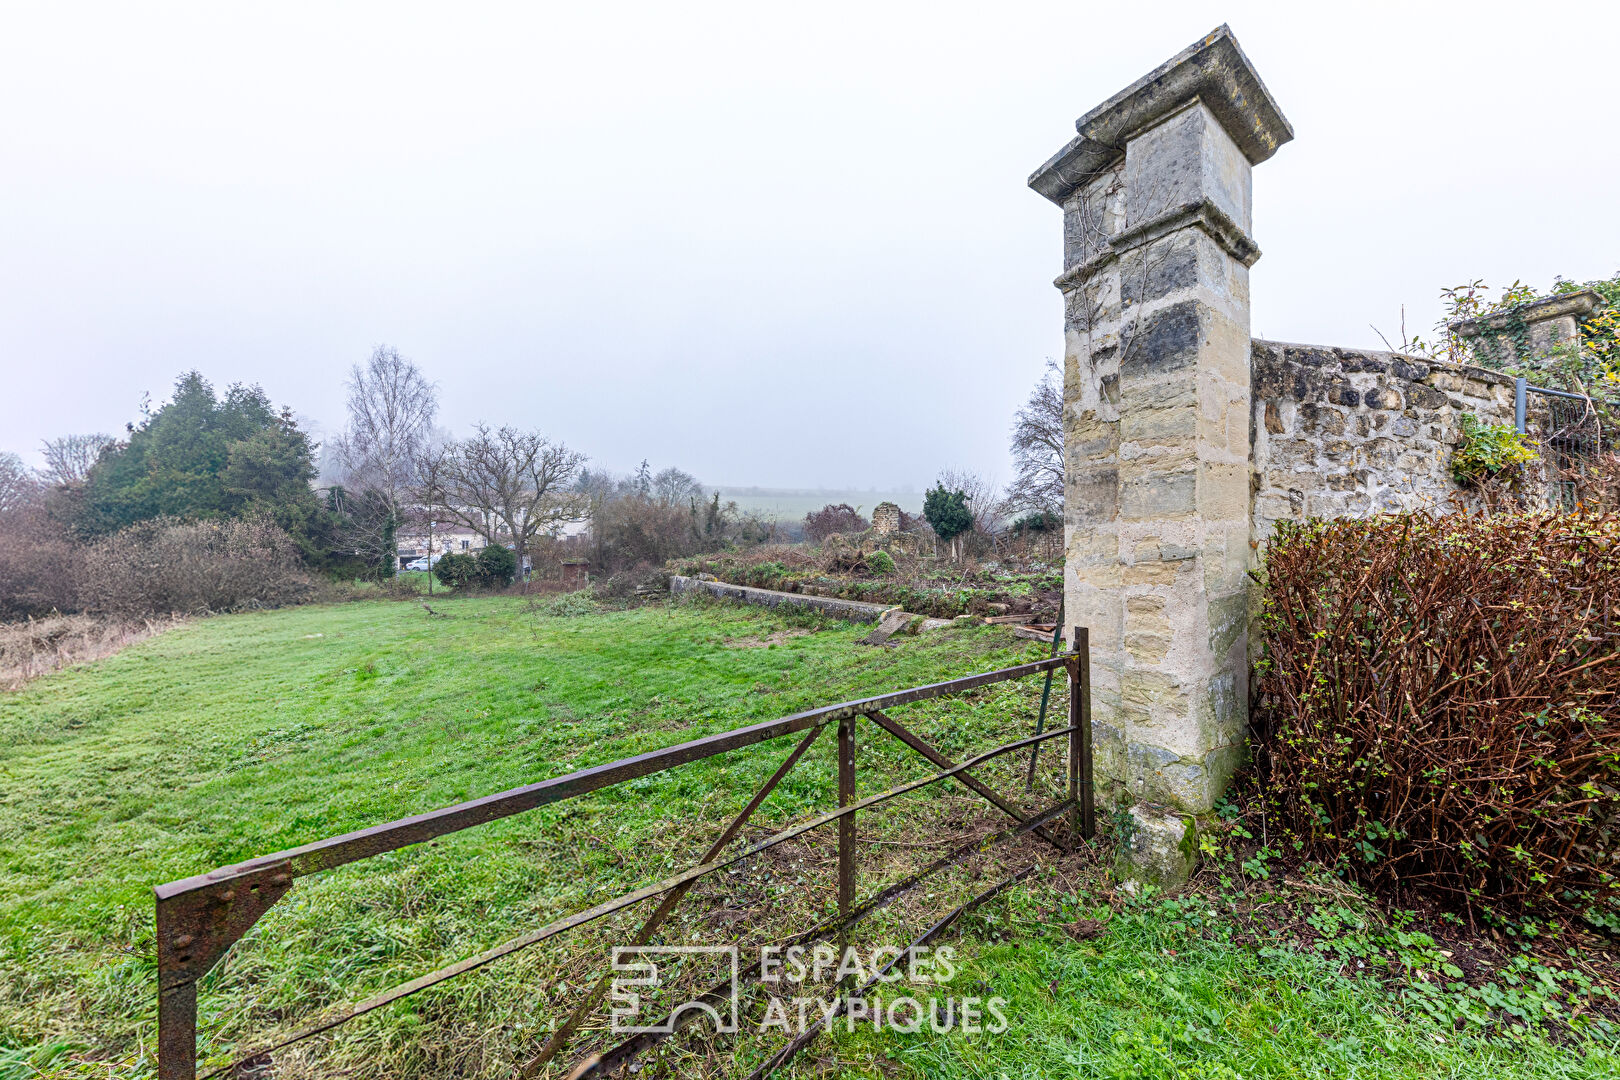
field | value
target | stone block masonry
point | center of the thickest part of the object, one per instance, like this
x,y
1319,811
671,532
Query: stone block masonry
x,y
1156,200
1345,432
1537,328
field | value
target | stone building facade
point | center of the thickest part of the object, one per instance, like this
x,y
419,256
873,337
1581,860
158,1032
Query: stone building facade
x,y
1186,440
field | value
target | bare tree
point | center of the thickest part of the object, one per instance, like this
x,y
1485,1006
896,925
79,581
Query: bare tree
x,y
674,486
391,411
834,518
68,460
17,483
981,497
390,431
508,486
1037,448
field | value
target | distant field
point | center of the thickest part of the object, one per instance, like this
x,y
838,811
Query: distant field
x,y
790,504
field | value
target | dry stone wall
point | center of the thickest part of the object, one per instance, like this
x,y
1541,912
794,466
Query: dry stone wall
x,y
1345,433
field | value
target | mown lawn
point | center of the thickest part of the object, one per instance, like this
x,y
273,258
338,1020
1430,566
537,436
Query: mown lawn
x,y
237,736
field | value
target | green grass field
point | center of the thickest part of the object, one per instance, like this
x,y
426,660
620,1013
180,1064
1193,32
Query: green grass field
x,y
241,735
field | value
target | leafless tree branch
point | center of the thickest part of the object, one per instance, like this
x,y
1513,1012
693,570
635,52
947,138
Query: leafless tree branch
x,y
69,459
18,485
507,485
391,412
1037,448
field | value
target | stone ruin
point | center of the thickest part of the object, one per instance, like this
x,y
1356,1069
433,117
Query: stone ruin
x,y
884,535
1186,440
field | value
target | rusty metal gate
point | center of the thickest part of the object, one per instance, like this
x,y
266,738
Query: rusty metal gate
x,y
200,918
1571,436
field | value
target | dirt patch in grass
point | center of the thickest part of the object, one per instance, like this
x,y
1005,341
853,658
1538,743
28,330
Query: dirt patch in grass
x,y
778,637
35,647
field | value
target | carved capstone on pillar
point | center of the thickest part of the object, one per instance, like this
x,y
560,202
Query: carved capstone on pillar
x,y
1155,193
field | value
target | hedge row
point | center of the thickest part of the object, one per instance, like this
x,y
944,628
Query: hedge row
x,y
1438,703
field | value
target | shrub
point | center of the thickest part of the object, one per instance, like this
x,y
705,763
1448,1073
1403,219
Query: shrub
x,y
566,605
1042,521
456,570
165,566
39,573
497,566
41,567
833,518
1489,451
880,562
765,575
1439,703
947,512
630,529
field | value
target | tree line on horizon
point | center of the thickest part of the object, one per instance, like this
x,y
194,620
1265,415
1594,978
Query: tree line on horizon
x,y
206,456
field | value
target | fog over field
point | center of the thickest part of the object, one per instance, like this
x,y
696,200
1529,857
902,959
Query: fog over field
x,y
791,504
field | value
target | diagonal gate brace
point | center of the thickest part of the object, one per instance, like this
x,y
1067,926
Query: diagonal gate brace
x,y
894,728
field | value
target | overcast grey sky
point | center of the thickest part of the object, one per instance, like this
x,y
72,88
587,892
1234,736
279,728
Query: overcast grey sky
x,y
774,244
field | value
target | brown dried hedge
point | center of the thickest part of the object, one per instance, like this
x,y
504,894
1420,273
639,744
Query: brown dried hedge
x,y
194,568
1438,704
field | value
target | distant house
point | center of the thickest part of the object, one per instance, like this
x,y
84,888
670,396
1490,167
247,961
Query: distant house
x,y
413,544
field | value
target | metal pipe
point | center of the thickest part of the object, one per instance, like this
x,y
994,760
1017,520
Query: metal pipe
x,y
1549,392
1046,694
846,829
1082,788
1518,404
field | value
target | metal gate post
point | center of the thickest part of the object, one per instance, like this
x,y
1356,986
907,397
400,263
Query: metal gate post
x,y
1080,779
846,829
177,1032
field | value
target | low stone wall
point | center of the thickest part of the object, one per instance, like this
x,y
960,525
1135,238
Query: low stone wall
x,y
852,610
1345,432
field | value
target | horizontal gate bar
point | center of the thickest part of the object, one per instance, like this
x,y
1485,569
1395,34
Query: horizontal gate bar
x,y
338,850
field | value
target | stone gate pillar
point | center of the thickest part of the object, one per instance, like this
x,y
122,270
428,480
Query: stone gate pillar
x,y
1155,194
